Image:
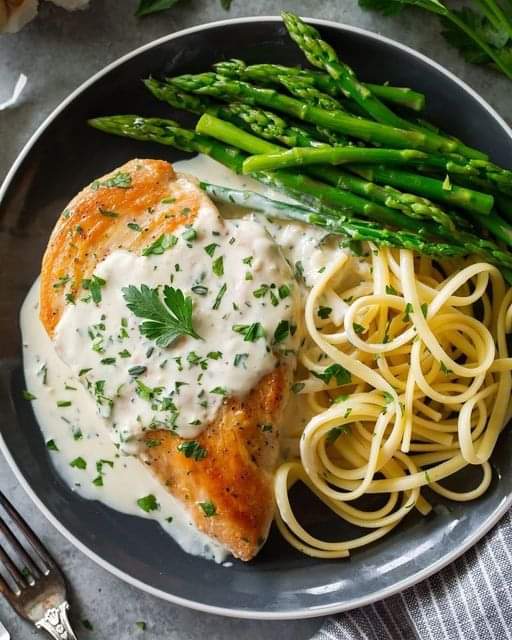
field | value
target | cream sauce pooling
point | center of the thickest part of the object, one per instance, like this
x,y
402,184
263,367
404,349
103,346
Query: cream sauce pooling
x,y
76,433
237,279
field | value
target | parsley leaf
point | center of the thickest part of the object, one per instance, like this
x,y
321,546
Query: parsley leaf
x,y
336,371
282,331
163,323
94,285
192,449
121,180
148,503
251,332
209,508
163,243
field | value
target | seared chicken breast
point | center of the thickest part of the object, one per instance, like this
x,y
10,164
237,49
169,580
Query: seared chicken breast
x,y
235,478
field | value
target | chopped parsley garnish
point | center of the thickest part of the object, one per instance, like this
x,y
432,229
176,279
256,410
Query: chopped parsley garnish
x,y
64,403
134,226
108,361
27,395
94,285
299,271
324,312
240,360
218,266
251,332
387,397
248,261
221,391
164,321
336,371
148,503
124,353
140,624
137,370
210,249
51,445
192,449
98,481
78,463
121,180
358,328
219,296
70,298
87,625
391,290
209,508
297,387
160,245
407,312
214,355
282,331
334,433
82,372
266,427
424,309
445,369
107,213
152,443
189,235
284,291
61,282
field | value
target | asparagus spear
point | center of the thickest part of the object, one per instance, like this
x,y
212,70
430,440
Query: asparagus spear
x,y
270,126
309,192
228,89
274,73
321,54
297,156
358,230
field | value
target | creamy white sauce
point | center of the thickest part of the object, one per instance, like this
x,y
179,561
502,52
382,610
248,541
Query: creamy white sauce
x,y
79,432
182,386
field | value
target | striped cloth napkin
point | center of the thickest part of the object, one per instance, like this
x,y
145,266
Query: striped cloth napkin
x,y
471,599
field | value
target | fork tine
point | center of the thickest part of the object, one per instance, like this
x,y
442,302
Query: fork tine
x,y
28,533
26,559
13,570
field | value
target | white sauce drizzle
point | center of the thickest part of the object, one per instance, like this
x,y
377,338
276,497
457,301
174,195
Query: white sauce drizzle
x,y
80,433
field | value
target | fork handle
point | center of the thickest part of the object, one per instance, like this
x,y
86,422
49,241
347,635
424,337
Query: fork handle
x,y
56,622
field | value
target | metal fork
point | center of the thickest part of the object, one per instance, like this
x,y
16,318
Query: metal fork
x,y
39,590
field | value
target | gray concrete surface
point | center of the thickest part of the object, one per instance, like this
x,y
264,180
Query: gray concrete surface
x,y
58,51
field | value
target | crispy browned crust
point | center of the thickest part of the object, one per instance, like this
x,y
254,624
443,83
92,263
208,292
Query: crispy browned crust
x,y
236,475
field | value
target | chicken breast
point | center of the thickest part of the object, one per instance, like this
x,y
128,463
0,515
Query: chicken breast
x,y
228,492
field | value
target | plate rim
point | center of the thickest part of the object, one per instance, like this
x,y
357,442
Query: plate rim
x,y
301,613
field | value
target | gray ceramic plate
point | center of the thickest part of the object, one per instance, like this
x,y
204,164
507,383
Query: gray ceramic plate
x,y
62,156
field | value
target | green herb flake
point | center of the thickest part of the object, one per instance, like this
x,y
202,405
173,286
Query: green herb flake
x,y
78,463
87,625
324,312
219,296
124,353
108,361
241,360
251,332
391,291
218,266
297,387
209,509
64,403
210,249
27,395
189,235
358,328
121,180
134,226
336,371
148,503
107,213
162,244
334,433
140,624
192,449
51,445
282,331
94,285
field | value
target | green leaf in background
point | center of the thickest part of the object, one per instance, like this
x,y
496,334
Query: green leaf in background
x,y
147,7
493,36
386,7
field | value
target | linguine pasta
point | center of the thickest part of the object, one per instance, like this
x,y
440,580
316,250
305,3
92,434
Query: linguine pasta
x,y
409,382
